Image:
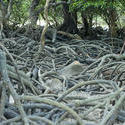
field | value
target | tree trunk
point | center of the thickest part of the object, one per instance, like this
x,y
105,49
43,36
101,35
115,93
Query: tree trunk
x,y
113,23
5,11
85,23
111,17
70,20
33,12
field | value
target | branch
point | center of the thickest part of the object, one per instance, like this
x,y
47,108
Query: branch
x,y
9,9
54,103
8,84
52,5
46,25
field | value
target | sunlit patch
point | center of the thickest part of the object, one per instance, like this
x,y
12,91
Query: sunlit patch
x,y
11,100
76,62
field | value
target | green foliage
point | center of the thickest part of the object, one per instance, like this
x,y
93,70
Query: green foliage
x,y
20,11
41,4
20,8
81,5
98,7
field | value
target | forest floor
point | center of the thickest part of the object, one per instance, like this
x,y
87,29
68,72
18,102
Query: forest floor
x,y
71,82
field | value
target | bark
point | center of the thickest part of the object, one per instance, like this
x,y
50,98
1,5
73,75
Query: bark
x,y
111,17
33,12
85,23
113,23
70,20
5,11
